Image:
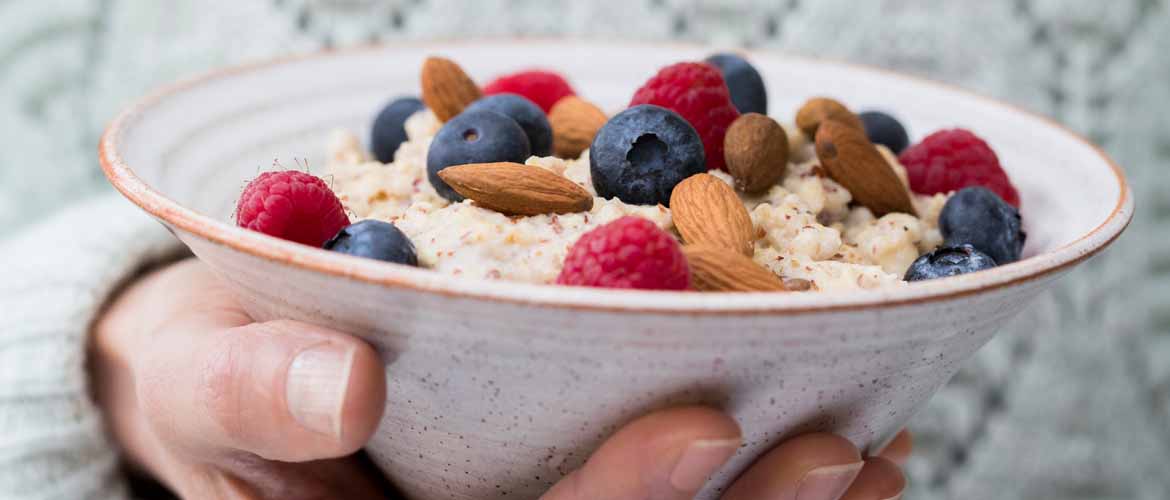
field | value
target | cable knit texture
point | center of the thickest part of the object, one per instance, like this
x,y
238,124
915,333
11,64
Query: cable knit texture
x,y
56,277
1072,401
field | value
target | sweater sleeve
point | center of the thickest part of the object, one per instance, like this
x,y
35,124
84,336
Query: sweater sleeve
x,y
55,277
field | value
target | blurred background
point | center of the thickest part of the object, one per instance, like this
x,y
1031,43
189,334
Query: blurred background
x,y
1073,401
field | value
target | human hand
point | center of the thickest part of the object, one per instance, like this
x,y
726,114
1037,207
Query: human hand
x,y
215,405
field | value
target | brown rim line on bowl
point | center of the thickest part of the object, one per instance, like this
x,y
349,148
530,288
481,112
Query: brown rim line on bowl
x,y
122,176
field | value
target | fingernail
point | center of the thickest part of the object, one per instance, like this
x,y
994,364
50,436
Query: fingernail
x,y
828,482
316,385
701,459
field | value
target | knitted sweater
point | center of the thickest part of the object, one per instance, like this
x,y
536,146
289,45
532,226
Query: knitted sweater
x,y
56,278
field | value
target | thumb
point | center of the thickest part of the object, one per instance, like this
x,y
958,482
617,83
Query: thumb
x,y
281,390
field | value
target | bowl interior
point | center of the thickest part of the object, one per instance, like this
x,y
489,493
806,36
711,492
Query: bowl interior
x,y
198,143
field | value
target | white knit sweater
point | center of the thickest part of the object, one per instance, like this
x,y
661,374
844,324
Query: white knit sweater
x,y
54,279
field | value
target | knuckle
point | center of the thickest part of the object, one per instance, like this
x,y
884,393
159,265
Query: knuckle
x,y
154,385
221,380
151,395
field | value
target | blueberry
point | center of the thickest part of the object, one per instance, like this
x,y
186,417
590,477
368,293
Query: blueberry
x,y
885,130
526,113
374,239
744,82
479,136
980,218
640,154
388,132
949,261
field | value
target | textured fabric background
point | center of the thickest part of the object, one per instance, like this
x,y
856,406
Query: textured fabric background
x,y
1073,401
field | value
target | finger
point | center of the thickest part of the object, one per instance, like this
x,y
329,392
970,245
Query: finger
x,y
808,467
665,455
898,451
282,390
880,479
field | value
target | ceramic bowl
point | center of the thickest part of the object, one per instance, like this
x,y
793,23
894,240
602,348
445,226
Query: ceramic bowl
x,y
497,389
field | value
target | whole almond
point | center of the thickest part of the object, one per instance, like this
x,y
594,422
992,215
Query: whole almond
x,y
850,159
515,189
574,123
707,211
756,150
446,89
819,109
716,269
797,285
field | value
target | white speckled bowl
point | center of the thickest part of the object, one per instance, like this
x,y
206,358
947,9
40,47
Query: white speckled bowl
x,y
501,387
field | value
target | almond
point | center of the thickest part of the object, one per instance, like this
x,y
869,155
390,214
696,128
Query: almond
x,y
797,285
850,159
707,211
574,123
446,89
515,189
756,150
716,269
819,109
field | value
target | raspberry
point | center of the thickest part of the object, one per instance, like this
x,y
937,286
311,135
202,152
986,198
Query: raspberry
x,y
630,252
291,205
950,160
695,91
544,88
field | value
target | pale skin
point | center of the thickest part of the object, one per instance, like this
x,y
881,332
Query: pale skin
x,y
203,399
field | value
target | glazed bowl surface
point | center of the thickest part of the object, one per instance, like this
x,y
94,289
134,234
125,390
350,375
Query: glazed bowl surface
x,y
497,389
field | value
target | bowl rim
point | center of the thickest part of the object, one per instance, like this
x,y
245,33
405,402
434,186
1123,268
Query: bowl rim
x,y
171,213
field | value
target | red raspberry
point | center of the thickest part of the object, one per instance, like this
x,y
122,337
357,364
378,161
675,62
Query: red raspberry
x,y
291,205
697,92
949,160
630,252
544,88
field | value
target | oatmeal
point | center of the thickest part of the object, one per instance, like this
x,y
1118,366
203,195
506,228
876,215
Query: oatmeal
x,y
805,226
689,187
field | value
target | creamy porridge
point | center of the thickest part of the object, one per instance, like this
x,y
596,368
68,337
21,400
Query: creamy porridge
x,y
805,227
